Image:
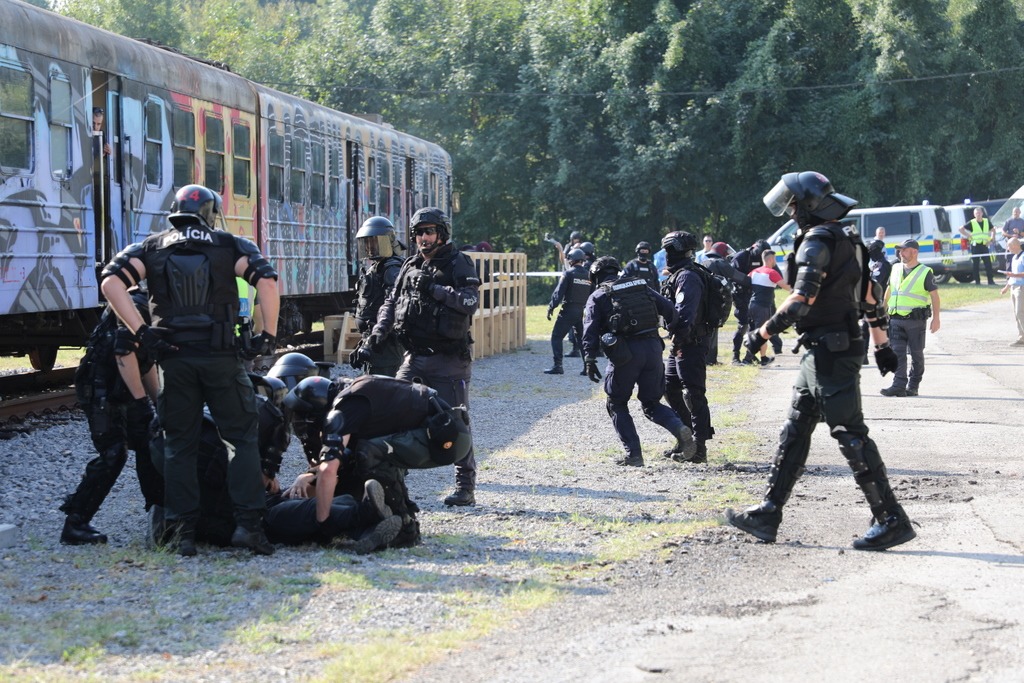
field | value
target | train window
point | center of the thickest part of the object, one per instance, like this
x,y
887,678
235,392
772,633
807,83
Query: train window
x,y
15,118
60,127
275,159
433,197
298,179
154,142
371,185
242,158
214,153
385,187
335,181
316,180
183,139
396,188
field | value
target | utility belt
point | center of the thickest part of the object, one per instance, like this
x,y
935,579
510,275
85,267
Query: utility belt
x,y
215,337
443,346
833,339
917,314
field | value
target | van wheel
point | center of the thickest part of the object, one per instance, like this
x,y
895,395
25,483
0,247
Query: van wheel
x,y
941,279
964,277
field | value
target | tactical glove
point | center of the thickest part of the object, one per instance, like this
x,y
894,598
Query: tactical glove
x,y
373,343
262,344
886,359
360,357
590,367
754,342
125,342
423,283
151,340
550,311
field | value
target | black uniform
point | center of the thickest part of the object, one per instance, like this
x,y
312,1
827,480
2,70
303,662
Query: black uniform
x,y
745,261
117,422
741,281
375,282
434,328
571,292
190,270
645,269
629,310
686,365
880,269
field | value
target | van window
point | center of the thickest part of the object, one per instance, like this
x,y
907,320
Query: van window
x,y
895,223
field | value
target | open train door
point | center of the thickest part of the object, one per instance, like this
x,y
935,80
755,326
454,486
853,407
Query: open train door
x,y
107,167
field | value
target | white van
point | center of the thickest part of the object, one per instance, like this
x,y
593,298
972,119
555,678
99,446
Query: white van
x,y
960,214
927,224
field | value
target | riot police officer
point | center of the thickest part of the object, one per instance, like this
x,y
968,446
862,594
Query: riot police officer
x,y
379,251
745,260
572,292
642,266
831,289
431,310
622,318
685,367
190,269
113,383
716,262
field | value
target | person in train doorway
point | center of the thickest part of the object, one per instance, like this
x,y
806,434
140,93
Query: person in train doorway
x,y
100,176
114,383
571,292
686,365
643,266
912,298
831,288
190,269
622,317
431,310
380,262
716,262
980,232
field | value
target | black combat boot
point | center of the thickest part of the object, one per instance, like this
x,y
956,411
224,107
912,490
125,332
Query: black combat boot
x,y
575,353
373,509
701,456
896,529
631,460
78,531
461,498
249,533
378,537
184,537
760,520
555,369
685,448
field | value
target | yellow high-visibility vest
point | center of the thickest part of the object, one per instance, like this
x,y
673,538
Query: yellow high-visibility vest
x,y
979,231
908,292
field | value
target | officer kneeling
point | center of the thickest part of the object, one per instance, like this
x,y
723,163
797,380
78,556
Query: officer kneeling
x,y
622,318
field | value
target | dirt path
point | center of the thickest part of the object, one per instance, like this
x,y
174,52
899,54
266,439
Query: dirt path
x,y
946,607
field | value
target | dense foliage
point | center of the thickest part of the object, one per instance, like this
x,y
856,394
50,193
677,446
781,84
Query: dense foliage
x,y
626,119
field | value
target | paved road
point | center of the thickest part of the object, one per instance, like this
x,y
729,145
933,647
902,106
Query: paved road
x,y
945,607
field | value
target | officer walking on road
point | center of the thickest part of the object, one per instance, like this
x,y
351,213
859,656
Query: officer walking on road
x,y
912,298
828,272
622,318
379,251
572,292
190,270
685,368
431,310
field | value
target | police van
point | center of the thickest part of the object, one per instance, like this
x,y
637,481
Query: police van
x,y
927,224
960,267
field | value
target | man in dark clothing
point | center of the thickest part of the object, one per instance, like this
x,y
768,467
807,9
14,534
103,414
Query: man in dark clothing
x,y
431,310
880,269
191,269
572,292
828,272
113,383
685,367
622,318
717,263
981,234
379,251
745,260
642,266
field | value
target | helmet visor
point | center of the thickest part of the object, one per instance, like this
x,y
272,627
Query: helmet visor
x,y
374,246
778,198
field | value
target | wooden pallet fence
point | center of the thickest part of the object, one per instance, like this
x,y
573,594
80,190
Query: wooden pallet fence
x,y
500,323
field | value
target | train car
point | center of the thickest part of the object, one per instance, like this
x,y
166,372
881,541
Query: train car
x,y
296,177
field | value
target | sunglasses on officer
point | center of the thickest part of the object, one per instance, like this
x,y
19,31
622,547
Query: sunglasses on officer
x,y
425,230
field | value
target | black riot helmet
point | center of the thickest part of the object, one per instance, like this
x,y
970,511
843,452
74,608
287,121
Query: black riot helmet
x,y
306,406
432,215
588,249
195,201
376,238
272,388
643,251
809,198
603,269
679,246
292,368
575,255
876,250
575,235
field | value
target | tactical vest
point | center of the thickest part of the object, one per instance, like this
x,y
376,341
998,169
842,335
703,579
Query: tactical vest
x,y
633,309
421,321
395,404
839,300
373,289
579,291
97,376
908,292
191,276
979,231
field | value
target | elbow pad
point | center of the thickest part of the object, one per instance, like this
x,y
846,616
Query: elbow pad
x,y
121,267
786,317
811,259
259,268
334,428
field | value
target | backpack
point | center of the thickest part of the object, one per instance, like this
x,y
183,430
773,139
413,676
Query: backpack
x,y
716,304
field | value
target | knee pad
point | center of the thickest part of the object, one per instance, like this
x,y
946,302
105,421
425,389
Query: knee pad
x,y
852,448
649,408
